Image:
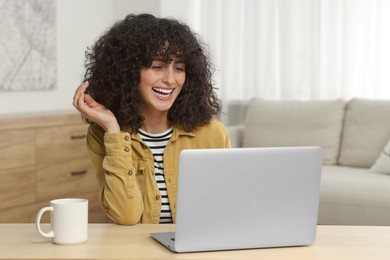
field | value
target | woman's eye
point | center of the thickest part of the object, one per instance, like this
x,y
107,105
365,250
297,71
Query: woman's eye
x,y
157,67
180,68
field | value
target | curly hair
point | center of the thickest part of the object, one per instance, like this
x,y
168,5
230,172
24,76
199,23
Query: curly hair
x,y
114,62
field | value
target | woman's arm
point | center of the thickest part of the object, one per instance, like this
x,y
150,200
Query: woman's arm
x,y
120,195
110,152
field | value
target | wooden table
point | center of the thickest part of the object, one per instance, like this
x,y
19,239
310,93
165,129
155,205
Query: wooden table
x,y
109,241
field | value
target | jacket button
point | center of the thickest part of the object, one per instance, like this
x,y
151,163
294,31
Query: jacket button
x,y
157,197
126,149
130,172
127,138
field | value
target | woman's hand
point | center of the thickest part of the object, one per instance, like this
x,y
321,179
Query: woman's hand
x,y
94,111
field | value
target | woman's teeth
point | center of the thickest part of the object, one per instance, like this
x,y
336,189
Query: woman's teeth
x,y
163,91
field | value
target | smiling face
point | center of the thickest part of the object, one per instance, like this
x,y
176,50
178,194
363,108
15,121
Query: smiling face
x,y
160,84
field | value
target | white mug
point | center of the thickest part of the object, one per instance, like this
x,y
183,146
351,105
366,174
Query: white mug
x,y
69,221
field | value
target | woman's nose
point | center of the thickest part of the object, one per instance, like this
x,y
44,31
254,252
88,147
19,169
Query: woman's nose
x,y
168,76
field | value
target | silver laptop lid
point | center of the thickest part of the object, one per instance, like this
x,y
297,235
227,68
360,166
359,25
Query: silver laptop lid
x,y
247,198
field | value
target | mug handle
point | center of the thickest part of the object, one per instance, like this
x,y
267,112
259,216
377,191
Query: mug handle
x,y
38,222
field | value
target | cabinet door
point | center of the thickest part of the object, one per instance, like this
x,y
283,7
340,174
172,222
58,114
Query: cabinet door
x,y
61,144
68,179
17,148
24,214
17,186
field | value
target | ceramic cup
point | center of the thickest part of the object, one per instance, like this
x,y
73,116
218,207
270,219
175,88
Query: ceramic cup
x,y
69,221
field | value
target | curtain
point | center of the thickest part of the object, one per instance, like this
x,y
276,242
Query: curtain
x,y
293,49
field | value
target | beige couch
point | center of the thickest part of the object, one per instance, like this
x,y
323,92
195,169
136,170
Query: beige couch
x,y
354,135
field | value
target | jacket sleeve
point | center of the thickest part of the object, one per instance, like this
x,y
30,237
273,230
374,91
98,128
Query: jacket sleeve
x,y
111,157
222,132
227,140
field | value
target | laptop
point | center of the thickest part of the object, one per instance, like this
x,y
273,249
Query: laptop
x,y
245,198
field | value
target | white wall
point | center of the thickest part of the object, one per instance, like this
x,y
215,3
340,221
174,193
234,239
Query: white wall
x,y
125,7
186,11
79,24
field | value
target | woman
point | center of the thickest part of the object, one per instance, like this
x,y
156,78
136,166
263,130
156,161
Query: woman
x,y
147,95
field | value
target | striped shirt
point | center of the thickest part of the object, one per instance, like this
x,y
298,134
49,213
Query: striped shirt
x,y
157,144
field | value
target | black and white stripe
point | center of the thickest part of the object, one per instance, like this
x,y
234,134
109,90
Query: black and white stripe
x,y
157,144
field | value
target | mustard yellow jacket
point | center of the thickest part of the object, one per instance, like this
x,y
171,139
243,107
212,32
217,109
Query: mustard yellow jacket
x,y
125,170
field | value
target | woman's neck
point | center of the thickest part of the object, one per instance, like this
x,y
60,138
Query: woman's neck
x,y
156,123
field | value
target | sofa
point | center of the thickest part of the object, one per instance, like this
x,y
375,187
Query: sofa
x,y
354,135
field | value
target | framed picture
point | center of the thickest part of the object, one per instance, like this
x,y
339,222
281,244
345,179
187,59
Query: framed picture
x,y
28,45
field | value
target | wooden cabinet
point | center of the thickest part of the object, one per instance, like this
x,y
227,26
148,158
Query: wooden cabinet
x,y
44,157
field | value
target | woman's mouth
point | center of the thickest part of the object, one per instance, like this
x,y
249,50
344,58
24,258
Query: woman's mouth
x,y
163,92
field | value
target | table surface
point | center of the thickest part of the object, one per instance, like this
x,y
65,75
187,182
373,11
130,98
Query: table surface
x,y
110,241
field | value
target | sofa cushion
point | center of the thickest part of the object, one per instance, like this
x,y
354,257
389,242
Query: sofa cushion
x,y
382,164
366,131
354,196
295,123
